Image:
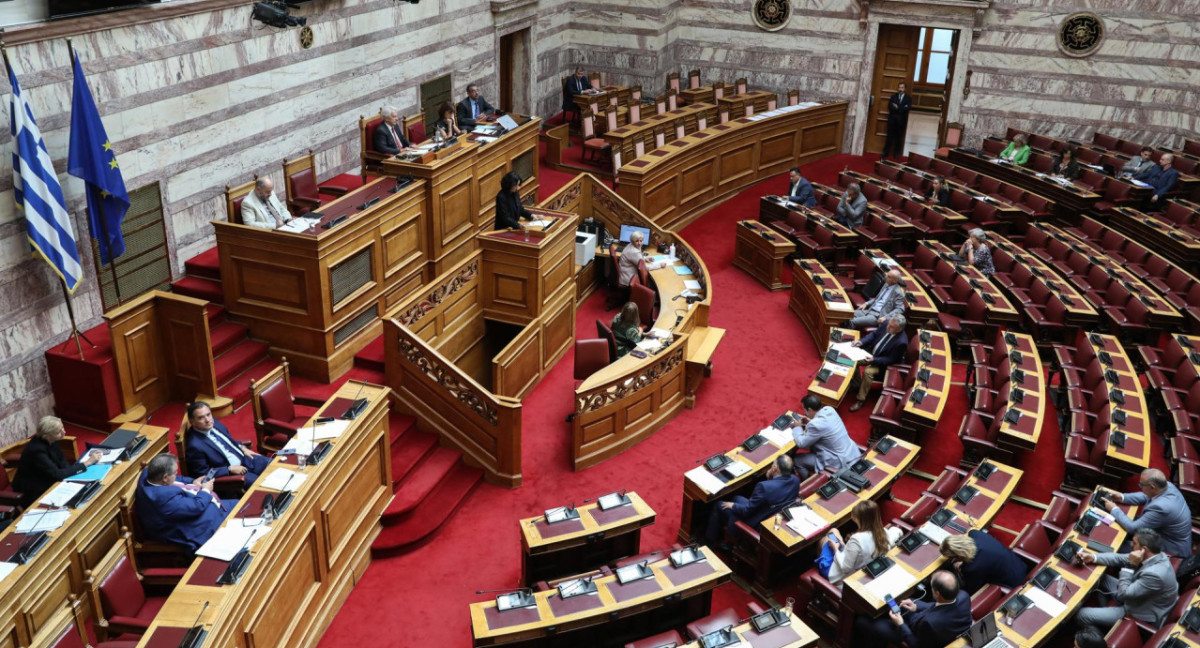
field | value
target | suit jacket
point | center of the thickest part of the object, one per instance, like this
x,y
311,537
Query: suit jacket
x,y
384,141
994,564
1018,156
171,514
1070,171
801,192
1163,180
890,354
943,196
893,302
42,465
572,87
826,437
934,626
203,454
463,110
509,210
1148,592
851,214
256,214
898,107
1168,514
1138,168
768,496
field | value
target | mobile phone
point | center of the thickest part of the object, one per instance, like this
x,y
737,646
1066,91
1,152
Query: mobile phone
x,y
211,474
891,602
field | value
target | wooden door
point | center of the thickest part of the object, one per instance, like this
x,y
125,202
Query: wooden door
x,y
946,89
895,63
507,43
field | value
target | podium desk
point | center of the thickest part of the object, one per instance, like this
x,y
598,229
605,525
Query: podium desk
x,y
602,97
576,546
689,96
617,613
317,295
624,138
792,634
760,252
461,183
302,570
818,299
862,593
833,389
33,592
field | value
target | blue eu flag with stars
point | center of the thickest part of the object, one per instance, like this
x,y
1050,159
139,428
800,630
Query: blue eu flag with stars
x,y
93,160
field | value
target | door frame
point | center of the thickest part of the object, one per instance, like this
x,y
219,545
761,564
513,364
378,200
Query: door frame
x,y
523,94
914,15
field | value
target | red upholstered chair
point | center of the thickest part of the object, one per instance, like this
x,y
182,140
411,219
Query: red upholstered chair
x,y
947,483
594,146
1035,543
1187,478
8,496
226,487
606,334
886,418
919,512
152,553
233,200
668,638
276,415
979,436
1062,512
644,298
119,599
712,623
414,128
793,97
371,160
590,356
300,185
1085,459
1105,141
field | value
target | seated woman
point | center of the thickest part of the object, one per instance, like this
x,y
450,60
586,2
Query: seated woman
x,y
982,560
938,192
976,251
870,541
43,463
1066,165
447,124
1017,151
627,328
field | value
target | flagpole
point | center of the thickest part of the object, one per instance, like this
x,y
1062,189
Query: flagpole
x,y
99,202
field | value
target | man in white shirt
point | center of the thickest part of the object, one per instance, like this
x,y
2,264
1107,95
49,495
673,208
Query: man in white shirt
x,y
261,209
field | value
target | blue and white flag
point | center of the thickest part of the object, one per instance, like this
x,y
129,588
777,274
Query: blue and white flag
x,y
38,194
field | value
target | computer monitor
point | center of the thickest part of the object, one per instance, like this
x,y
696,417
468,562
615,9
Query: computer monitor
x,y
627,230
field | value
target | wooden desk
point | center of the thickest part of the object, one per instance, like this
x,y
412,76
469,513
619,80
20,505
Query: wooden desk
x,y
761,252
1080,311
304,568
736,104
601,97
672,597
1024,434
778,208
999,309
1190,639
1179,244
32,594
794,634
689,96
833,389
919,307
1135,456
937,389
674,185
577,546
1004,206
624,138
993,494
1069,200
818,299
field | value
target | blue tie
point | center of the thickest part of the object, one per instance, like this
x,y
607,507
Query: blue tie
x,y
877,307
224,441
474,109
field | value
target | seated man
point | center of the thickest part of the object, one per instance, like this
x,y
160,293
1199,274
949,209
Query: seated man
x,y
177,509
887,345
1162,182
851,207
389,136
779,488
210,447
261,209
1139,167
800,190
887,303
576,83
43,463
472,108
920,624
825,436
1147,589
1161,507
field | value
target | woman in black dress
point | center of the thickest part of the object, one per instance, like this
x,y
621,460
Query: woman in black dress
x,y
509,210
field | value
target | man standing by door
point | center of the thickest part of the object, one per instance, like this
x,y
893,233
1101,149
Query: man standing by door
x,y
897,125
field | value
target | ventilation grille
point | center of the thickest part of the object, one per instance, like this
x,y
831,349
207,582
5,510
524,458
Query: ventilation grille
x,y
350,275
355,325
145,266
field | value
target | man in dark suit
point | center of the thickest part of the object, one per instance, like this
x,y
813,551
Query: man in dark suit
x,y
897,124
800,190
177,509
887,345
43,462
472,108
770,494
389,137
576,83
920,624
210,447
1161,182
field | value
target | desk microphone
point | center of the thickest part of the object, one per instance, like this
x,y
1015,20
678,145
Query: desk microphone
x,y
506,590
195,634
620,493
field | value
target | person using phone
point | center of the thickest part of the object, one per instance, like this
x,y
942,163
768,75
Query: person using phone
x,y
823,433
870,541
920,624
1162,508
172,508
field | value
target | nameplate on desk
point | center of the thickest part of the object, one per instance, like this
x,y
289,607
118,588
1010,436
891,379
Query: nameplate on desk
x,y
686,556
561,514
613,500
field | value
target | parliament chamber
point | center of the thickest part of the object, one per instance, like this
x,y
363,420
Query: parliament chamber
x,y
783,324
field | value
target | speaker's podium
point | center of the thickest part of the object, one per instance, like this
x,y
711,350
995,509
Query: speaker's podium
x,y
524,268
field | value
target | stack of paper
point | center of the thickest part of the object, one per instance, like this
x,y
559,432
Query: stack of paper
x,y
6,568
299,225
662,334
331,430
805,521
704,479
60,494
848,349
296,445
778,437
281,478
736,469
893,581
229,540
41,520
682,270
835,368
935,533
691,284
1047,603
109,455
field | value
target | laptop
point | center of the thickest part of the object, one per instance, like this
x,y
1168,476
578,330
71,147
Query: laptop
x,y
985,633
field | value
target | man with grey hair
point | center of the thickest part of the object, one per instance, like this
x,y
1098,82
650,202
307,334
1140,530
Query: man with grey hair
x,y
1162,509
261,209
852,206
888,303
886,346
1146,590
43,462
389,138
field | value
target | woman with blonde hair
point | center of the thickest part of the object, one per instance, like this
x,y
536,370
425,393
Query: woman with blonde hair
x,y
870,541
983,560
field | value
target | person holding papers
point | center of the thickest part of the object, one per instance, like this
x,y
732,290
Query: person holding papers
x,y
261,209
1147,589
627,328
509,210
871,541
886,346
1162,508
920,624
800,190
473,108
43,462
982,560
770,495
210,447
887,303
176,509
822,432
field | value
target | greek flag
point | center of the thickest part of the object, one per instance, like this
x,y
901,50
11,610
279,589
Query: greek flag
x,y
38,194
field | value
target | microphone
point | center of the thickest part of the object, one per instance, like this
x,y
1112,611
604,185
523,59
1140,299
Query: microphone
x,y
620,493
195,633
505,590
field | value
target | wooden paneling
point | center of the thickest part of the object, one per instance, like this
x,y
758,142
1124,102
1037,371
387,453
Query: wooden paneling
x,y
558,328
518,367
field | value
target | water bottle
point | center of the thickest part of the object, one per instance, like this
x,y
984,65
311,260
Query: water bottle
x,y
1058,587
778,520
671,251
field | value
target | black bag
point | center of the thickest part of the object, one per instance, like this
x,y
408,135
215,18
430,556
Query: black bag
x,y
1188,569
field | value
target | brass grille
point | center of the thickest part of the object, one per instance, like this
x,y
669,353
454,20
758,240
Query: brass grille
x,y
349,275
145,266
355,325
524,164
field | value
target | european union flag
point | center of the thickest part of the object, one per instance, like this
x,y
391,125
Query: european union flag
x,y
92,160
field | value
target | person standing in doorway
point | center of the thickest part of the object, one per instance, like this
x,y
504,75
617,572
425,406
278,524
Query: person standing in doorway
x,y
897,125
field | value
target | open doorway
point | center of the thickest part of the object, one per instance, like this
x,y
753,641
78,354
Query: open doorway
x,y
923,59
514,72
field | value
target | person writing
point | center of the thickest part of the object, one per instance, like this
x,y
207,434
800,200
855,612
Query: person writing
x,y
770,495
800,190
1162,508
886,345
176,509
509,210
870,541
261,209
1146,590
1066,165
938,192
976,251
982,560
1017,150
627,328
446,126
823,433
43,463
576,84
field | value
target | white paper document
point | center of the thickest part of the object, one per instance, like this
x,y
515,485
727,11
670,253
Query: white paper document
x,y
296,445
935,533
108,456
835,368
278,479
6,568
805,521
662,334
44,520
649,345
704,479
59,495
893,581
298,225
737,469
228,540
331,430
779,437
847,349
538,224
691,284
1047,603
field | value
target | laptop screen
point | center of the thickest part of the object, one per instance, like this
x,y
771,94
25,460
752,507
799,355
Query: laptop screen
x,y
983,631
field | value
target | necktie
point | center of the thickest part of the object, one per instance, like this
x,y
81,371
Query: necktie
x,y
395,135
223,441
274,214
880,299
882,344
474,109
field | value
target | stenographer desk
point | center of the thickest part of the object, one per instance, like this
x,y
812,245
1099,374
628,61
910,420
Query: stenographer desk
x,y
675,184
597,537
761,251
818,299
302,570
36,590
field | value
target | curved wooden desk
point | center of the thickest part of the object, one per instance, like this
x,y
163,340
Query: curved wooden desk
x,y
818,299
1024,434
673,185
